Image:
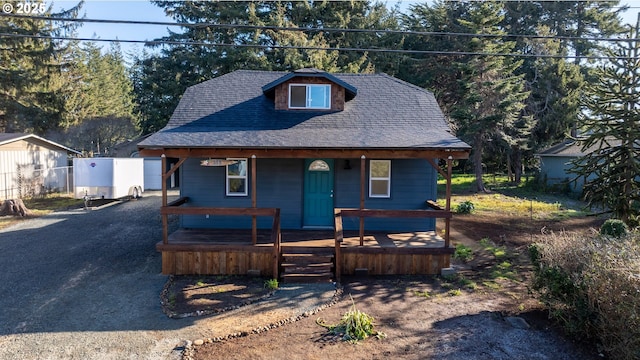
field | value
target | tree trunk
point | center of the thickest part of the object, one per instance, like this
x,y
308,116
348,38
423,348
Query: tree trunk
x,y
509,171
477,163
14,207
516,162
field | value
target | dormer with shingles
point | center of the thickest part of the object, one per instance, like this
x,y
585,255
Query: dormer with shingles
x,y
303,90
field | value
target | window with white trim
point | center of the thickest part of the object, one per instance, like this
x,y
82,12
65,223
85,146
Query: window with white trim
x,y
237,178
379,178
310,96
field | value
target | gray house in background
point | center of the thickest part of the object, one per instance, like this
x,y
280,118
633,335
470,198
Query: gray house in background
x,y
555,163
304,144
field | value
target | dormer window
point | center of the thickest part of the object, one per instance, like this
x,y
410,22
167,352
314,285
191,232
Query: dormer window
x,y
310,96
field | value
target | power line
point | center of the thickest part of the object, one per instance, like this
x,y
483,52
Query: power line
x,y
268,47
310,29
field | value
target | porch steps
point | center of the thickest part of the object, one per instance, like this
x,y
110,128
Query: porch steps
x,y
305,265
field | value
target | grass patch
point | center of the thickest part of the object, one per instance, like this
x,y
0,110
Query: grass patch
x,y
457,281
42,206
510,199
423,294
497,251
492,285
463,253
52,202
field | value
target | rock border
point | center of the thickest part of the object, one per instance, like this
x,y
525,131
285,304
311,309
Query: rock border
x,y
165,303
189,346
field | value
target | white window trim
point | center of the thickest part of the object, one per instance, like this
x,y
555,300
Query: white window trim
x,y
388,178
307,86
227,177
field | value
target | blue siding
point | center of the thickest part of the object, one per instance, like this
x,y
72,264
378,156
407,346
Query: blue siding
x,y
280,184
412,182
556,170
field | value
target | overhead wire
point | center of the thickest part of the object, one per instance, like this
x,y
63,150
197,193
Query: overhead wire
x,y
311,29
319,48
165,41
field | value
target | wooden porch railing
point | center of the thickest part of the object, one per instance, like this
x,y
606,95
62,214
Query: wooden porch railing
x,y
375,213
174,208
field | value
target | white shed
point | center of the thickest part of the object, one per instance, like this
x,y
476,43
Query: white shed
x,y
30,164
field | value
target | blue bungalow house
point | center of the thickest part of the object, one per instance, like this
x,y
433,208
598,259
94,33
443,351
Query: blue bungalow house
x,y
293,156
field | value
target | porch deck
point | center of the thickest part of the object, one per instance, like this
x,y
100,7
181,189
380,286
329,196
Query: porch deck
x,y
301,238
215,251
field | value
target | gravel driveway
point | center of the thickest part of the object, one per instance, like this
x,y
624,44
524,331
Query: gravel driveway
x,y
85,285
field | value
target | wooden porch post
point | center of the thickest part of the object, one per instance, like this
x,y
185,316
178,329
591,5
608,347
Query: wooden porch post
x,y
254,203
447,221
165,217
363,178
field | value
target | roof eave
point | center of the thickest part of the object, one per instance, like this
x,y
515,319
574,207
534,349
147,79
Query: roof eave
x,y
27,136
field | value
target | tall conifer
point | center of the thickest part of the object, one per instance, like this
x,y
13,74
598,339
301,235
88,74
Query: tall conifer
x,y
611,123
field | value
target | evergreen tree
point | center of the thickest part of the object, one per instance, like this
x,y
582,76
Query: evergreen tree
x,y
101,85
494,95
31,72
612,142
438,73
98,90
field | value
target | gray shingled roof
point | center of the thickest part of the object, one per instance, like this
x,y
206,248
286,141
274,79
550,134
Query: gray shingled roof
x,y
232,111
573,148
6,138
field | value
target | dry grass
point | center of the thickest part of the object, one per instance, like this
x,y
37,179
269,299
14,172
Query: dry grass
x,y
41,206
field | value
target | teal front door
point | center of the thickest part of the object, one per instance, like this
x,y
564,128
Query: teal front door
x,y
318,193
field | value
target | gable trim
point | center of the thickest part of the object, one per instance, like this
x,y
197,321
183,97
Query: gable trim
x,y
350,91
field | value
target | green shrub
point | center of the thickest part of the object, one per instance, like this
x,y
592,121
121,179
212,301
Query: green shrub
x,y
271,284
463,253
614,227
592,287
465,207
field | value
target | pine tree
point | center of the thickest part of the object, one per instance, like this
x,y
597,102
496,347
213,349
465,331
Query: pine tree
x,y
98,86
31,96
612,124
438,73
493,97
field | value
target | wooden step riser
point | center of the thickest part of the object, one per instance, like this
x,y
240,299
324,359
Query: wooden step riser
x,y
306,260
294,264
307,278
308,270
306,265
306,250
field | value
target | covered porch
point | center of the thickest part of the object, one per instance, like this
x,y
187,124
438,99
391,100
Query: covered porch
x,y
265,251
231,251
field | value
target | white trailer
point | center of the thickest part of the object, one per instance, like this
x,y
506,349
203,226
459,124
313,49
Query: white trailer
x,y
108,178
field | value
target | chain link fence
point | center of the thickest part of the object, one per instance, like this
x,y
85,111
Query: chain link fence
x,y
29,181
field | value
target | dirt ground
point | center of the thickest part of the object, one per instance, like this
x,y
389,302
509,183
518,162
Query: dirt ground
x,y
477,314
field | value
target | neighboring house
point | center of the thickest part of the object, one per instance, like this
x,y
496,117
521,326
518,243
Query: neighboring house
x,y
30,165
555,163
270,150
127,148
